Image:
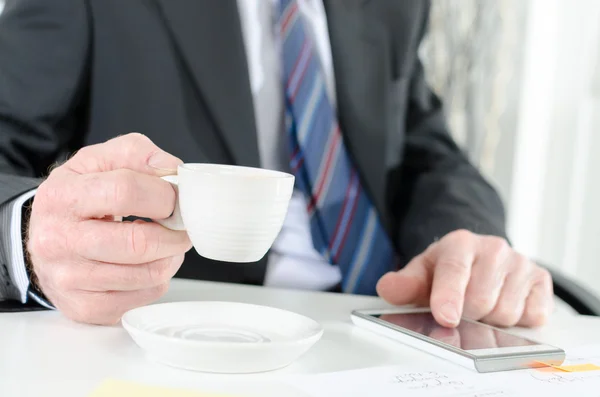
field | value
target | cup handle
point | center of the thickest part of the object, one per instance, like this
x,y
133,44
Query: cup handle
x,y
174,222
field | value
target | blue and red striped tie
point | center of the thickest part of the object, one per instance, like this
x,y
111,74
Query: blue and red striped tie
x,y
345,226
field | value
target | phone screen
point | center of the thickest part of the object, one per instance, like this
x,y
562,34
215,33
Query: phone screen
x,y
468,335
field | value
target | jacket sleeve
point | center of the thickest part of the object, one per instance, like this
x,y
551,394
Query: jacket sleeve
x,y
43,56
441,191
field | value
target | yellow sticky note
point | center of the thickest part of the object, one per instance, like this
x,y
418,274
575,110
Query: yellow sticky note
x,y
117,388
578,368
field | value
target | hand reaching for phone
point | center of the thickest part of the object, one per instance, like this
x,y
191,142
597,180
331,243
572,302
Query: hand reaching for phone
x,y
90,267
479,277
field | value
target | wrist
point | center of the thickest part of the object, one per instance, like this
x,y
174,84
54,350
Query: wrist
x,y
34,286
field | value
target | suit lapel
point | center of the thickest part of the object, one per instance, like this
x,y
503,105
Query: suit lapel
x,y
209,39
361,70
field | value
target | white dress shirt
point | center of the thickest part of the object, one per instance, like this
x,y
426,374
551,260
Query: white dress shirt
x,y
293,262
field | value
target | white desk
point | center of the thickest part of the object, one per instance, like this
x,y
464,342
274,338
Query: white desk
x,y
44,354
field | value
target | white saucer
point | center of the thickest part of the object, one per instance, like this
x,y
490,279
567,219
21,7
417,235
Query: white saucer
x,y
224,337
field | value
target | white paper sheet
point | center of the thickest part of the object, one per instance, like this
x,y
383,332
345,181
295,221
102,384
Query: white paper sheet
x,y
448,380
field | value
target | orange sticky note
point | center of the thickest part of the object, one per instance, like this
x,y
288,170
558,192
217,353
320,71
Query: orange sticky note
x,y
548,369
578,368
117,388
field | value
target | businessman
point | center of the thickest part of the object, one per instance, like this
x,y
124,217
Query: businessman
x,y
330,90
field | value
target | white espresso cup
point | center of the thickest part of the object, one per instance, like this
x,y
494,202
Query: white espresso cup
x,y
231,213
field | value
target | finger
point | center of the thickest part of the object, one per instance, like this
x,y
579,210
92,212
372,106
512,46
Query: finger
x,y
410,285
487,277
453,260
540,302
132,151
102,277
516,288
106,308
129,242
120,192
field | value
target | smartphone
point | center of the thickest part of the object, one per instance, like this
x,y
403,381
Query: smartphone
x,y
471,344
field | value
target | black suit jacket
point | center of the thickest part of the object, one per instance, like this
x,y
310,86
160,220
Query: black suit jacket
x,y
77,72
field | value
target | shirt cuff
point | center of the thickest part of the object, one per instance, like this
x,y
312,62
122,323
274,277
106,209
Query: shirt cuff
x,y
11,214
14,254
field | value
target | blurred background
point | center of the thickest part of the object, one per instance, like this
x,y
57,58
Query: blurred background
x,y
521,85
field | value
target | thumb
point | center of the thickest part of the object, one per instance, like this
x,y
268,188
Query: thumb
x,y
411,285
132,151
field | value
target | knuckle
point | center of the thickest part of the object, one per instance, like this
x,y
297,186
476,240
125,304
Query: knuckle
x,y
522,263
522,260
545,277
88,159
461,234
135,138
84,152
497,246
135,143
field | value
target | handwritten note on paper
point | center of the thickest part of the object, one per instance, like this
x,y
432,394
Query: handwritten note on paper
x,y
580,375
425,380
395,381
428,382
568,378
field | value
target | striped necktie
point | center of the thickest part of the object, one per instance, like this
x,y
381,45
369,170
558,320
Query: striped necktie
x,y
345,226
